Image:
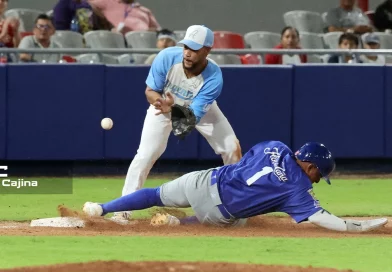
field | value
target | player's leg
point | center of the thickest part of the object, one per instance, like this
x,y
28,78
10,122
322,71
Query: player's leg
x,y
173,194
170,194
218,132
205,201
153,142
139,200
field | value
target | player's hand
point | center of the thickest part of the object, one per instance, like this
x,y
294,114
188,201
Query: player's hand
x,y
366,225
164,105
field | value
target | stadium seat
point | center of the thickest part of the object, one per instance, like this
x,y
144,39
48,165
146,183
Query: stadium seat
x,y
180,34
262,39
324,17
315,59
124,59
141,39
385,40
104,58
306,21
88,58
68,39
139,58
104,39
226,39
331,39
311,40
26,16
69,59
251,59
225,59
388,59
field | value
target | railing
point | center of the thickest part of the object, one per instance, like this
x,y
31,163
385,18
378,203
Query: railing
x,y
261,52
214,51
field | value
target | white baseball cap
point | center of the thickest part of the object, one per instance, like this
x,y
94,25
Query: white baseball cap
x,y
198,36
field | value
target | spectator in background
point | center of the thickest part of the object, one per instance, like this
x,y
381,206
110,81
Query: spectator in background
x,y
289,40
348,18
372,41
383,16
78,16
41,38
346,41
126,15
165,38
9,28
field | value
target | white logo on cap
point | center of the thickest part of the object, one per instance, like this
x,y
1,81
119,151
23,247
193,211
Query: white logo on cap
x,y
193,34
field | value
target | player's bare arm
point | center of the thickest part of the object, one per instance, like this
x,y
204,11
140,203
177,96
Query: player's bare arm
x,y
152,96
163,105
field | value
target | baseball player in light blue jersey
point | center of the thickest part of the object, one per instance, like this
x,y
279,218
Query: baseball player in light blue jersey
x,y
269,178
182,77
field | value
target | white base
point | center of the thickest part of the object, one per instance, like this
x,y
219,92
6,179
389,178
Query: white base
x,y
58,222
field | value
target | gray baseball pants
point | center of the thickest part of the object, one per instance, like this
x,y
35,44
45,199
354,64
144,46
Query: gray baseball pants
x,y
195,190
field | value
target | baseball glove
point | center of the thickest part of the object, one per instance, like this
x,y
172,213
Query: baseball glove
x,y
183,121
161,219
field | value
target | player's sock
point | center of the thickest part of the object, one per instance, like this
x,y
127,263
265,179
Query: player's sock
x,y
189,220
139,200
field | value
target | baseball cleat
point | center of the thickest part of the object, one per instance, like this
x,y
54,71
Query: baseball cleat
x,y
161,219
92,209
121,218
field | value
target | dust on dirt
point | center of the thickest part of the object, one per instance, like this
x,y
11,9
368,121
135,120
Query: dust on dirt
x,y
265,225
101,266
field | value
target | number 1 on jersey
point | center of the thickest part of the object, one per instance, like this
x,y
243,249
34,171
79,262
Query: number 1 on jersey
x,y
266,170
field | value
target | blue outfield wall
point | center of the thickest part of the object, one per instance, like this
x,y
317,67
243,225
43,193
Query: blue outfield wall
x,y
53,112
341,107
388,112
3,111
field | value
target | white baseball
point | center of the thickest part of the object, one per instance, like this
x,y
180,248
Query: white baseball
x,y
107,123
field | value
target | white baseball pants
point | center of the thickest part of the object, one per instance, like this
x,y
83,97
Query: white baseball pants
x,y
214,126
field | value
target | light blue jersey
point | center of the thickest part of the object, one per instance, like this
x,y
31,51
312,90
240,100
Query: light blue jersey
x,y
167,75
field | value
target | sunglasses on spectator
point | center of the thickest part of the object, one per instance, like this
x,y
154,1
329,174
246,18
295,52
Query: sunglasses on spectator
x,y
43,27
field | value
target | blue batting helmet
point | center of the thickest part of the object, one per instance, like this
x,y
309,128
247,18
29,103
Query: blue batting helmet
x,y
319,155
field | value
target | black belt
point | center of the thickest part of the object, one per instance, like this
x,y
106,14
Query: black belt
x,y
221,208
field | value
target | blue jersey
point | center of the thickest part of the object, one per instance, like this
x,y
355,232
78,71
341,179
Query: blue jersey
x,y
267,179
167,75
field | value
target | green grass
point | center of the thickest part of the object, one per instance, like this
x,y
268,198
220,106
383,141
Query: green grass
x,y
353,253
344,197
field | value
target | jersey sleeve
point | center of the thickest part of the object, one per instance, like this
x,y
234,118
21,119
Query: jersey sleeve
x,y
157,76
302,205
207,95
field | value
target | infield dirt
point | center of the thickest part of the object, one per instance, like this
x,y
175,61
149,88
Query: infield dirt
x,y
270,226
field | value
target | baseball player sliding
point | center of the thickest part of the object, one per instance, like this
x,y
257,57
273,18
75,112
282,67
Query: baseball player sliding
x,y
269,178
182,87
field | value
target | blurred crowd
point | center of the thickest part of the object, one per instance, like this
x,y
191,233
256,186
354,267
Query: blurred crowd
x,y
351,28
